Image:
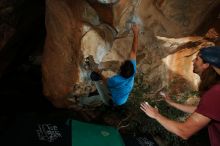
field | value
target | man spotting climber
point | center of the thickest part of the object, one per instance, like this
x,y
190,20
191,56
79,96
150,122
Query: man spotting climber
x,y
206,113
120,85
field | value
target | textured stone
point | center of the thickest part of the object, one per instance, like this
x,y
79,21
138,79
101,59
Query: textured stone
x,y
78,29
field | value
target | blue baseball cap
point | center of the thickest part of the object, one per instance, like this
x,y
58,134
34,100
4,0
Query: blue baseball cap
x,y
211,55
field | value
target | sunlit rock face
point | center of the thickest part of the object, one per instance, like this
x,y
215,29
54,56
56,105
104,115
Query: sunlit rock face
x,y
77,29
180,65
62,54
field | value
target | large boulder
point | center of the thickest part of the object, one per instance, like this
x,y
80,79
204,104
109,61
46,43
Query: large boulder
x,y
101,29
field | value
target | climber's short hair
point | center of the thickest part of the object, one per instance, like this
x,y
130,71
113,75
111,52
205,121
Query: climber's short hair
x,y
127,69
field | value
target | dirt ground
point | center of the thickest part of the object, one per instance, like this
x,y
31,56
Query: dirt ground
x,y
21,93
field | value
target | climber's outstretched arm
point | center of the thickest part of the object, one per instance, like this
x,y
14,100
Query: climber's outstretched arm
x,y
134,48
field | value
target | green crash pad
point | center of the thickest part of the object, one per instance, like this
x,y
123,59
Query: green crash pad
x,y
87,134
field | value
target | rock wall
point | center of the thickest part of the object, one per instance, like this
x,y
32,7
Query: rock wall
x,y
62,54
77,29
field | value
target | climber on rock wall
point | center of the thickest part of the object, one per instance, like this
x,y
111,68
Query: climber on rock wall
x,y
116,89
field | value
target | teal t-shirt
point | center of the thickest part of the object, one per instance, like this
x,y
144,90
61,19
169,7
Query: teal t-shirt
x,y
121,87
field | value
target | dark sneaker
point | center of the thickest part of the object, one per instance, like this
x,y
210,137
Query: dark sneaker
x,y
95,76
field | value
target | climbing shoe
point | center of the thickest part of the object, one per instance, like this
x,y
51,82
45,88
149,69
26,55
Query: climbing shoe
x,y
95,76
